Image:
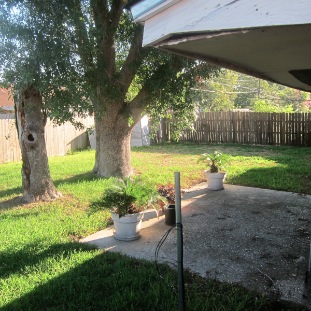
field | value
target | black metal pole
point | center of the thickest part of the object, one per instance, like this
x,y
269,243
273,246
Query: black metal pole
x,y
307,291
181,288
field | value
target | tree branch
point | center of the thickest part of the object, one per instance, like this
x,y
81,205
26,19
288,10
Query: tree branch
x,y
100,11
106,24
138,104
115,15
133,60
151,90
84,46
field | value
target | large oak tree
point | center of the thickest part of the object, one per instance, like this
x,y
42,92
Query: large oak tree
x,y
24,63
124,77
35,60
90,54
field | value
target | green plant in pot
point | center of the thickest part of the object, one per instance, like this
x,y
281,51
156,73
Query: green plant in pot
x,y
215,174
167,203
167,192
127,200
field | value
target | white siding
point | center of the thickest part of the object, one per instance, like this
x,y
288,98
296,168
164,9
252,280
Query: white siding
x,y
140,133
215,15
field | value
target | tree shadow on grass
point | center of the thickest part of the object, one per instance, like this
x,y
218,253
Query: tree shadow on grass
x,y
111,281
19,215
100,283
10,192
281,155
31,254
89,176
12,203
18,200
70,180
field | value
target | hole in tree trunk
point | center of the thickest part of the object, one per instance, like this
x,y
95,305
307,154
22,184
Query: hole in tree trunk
x,y
30,137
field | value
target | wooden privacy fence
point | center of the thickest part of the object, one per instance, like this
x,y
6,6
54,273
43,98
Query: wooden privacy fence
x,y
59,139
292,129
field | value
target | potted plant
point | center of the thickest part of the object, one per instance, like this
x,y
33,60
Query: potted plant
x,y
168,204
215,175
127,200
167,192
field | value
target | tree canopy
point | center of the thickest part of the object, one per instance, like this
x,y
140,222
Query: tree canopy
x,y
88,56
36,49
231,90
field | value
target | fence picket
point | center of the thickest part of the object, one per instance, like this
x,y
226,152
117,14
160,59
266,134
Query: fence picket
x,y
59,139
251,128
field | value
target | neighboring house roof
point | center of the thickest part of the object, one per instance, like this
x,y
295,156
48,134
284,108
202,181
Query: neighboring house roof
x,y
6,100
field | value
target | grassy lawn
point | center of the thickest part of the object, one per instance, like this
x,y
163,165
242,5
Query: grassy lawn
x,y
42,267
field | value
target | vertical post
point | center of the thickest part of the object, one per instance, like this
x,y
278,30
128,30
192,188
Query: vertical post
x,y
307,290
163,132
181,289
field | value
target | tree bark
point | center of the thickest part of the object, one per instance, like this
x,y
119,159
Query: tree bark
x,y
113,148
36,180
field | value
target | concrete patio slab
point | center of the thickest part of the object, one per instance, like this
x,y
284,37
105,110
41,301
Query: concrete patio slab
x,y
257,238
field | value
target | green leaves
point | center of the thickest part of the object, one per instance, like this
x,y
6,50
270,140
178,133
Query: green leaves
x,y
37,48
213,161
231,90
127,196
83,58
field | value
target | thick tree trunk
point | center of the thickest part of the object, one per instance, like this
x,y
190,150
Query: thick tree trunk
x,y
36,180
113,150
97,144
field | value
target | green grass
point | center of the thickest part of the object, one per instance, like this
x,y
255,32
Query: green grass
x,y
42,267
279,168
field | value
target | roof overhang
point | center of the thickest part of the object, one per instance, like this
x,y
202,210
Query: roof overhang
x,y
280,54
263,38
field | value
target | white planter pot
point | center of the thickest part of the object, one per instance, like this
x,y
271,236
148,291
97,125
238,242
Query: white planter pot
x,y
215,180
127,228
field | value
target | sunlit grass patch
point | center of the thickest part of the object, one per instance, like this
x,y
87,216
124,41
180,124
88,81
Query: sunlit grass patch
x,y
42,267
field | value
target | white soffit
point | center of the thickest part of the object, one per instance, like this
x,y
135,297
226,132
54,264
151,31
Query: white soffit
x,y
264,38
277,54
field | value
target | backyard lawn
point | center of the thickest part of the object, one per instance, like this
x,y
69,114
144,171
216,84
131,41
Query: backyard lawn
x,y
43,267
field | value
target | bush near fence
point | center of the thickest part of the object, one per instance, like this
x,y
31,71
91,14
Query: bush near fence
x,y
283,129
59,139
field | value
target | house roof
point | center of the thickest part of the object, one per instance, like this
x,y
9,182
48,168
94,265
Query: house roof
x,y
264,38
6,100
